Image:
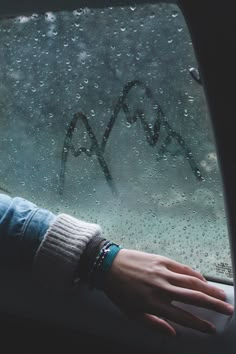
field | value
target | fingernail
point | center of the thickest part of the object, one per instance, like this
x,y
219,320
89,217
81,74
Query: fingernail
x,y
222,293
230,308
211,328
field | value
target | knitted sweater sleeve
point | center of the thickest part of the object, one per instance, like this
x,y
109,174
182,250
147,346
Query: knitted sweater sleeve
x,y
57,258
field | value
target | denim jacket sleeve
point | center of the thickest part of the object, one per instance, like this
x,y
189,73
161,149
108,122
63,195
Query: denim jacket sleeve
x,y
22,228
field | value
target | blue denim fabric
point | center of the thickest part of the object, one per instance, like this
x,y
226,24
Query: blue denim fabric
x,y
22,228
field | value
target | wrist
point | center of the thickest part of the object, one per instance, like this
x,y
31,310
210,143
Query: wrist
x,y
88,257
102,264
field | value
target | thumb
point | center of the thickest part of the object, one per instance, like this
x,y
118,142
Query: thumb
x,y
152,322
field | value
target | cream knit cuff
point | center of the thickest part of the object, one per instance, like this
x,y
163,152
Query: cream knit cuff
x,y
59,253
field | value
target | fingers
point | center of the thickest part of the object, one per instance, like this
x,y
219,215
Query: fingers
x,y
201,299
177,315
190,282
183,269
184,318
156,323
192,288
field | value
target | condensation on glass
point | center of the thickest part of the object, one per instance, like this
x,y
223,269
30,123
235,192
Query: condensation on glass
x,y
103,116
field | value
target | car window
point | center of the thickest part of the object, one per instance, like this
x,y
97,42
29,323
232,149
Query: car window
x,y
103,116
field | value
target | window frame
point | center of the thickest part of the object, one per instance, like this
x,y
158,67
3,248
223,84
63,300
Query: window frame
x,y
217,74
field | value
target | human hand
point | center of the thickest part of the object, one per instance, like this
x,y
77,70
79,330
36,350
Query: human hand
x,y
144,285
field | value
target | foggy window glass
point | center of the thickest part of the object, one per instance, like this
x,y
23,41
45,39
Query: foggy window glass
x,y
103,116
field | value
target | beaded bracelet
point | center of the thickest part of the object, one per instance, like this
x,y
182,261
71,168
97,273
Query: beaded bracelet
x,y
99,257
107,262
102,264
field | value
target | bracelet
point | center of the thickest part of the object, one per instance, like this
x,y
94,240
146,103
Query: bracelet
x,y
110,256
102,264
98,259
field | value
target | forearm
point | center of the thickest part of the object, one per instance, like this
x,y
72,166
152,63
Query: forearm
x,y
58,249
22,229
68,248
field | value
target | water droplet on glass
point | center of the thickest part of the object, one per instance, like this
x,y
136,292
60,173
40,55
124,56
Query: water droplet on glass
x,y
191,99
23,19
34,16
50,17
174,14
77,12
